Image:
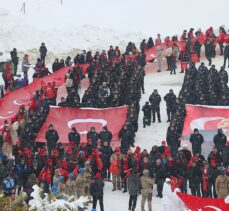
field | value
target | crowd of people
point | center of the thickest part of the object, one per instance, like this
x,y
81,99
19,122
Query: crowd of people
x,y
80,169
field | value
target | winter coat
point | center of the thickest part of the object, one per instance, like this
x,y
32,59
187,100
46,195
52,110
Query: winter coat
x,y
222,186
43,51
155,100
226,51
194,176
94,136
159,54
74,137
170,100
52,137
96,188
146,185
147,110
80,183
196,140
133,184
106,154
220,141
105,136
115,164
160,174
225,155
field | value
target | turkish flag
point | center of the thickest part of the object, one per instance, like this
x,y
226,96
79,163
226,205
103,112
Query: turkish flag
x,y
83,119
195,203
10,104
205,118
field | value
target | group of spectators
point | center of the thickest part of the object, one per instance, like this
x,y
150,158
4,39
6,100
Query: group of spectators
x,y
80,168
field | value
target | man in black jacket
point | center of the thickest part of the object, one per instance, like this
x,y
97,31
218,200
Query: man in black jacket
x,y
170,100
196,140
105,135
226,54
94,136
194,176
52,138
160,176
220,140
155,100
96,191
147,114
74,137
43,52
14,59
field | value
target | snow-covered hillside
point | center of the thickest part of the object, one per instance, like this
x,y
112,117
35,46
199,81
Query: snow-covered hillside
x,y
88,24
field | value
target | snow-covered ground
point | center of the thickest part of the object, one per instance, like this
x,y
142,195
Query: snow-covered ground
x,y
88,24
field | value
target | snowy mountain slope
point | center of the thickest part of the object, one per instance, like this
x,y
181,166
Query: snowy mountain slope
x,y
87,24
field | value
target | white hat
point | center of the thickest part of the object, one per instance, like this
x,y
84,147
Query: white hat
x,y
167,180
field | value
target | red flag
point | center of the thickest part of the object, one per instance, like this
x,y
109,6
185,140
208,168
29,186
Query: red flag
x,y
11,102
173,182
205,118
83,119
195,203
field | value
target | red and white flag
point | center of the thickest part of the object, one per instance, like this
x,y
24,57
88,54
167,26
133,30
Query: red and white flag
x,y
195,203
205,118
83,119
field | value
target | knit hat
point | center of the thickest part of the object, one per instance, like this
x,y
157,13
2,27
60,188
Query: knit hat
x,y
163,142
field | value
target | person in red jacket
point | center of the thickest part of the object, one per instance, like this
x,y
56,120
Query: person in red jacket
x,y
221,39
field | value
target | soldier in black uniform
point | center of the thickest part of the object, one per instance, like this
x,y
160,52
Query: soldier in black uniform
x,y
155,100
147,114
170,100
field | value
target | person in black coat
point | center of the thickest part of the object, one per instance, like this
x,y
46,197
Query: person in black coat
x,y
170,99
105,135
196,140
172,140
155,100
220,140
106,151
52,138
225,155
209,50
147,114
160,176
150,43
43,52
125,136
226,54
14,59
194,176
133,184
74,137
55,65
94,136
96,191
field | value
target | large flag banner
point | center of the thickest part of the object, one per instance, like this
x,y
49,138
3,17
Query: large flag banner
x,y
195,203
207,119
10,104
83,119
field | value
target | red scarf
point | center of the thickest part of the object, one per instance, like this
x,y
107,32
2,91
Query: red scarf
x,y
205,180
7,137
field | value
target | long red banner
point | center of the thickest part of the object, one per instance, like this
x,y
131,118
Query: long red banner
x,y
83,119
10,104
